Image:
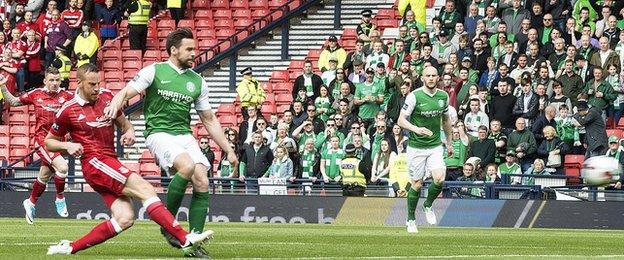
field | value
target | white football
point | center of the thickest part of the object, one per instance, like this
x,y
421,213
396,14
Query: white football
x,y
600,170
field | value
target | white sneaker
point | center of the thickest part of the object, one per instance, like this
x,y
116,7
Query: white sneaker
x,y
430,216
195,240
61,207
62,248
29,207
411,226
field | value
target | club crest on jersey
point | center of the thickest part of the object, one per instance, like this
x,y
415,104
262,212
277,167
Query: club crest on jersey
x,y
61,100
190,86
100,122
441,103
55,126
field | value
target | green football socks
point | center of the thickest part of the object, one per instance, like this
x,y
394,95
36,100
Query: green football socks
x,y
198,211
432,193
175,193
412,201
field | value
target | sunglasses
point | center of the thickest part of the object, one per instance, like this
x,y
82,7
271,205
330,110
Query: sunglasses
x,y
338,118
311,110
355,127
331,125
381,126
203,142
231,134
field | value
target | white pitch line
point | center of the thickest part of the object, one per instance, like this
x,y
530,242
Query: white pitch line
x,y
447,257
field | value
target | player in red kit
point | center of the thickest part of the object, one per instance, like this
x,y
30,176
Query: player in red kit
x,y
93,142
47,101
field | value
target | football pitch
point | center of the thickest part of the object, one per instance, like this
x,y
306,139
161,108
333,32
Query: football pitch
x,y
312,241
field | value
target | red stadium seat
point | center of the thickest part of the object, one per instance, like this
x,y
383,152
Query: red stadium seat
x,y
133,167
132,65
239,4
224,33
228,121
268,87
385,23
294,4
187,23
270,99
259,4
18,119
349,34
20,142
132,55
206,34
112,65
269,109
572,165
4,141
19,110
294,75
113,76
19,130
151,55
4,131
296,65
226,110
241,14
387,14
242,23
260,13
200,4
16,154
222,14
274,4
151,170
111,54
282,108
220,4
203,14
4,154
283,99
146,157
616,132
224,24
279,76
282,88
166,24
314,55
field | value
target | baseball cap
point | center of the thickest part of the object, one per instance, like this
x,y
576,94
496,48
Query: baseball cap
x,y
613,139
466,58
381,65
582,105
350,148
511,153
370,71
357,62
443,33
332,38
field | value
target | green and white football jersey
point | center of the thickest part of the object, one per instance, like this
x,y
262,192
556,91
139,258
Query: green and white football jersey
x,y
425,110
169,94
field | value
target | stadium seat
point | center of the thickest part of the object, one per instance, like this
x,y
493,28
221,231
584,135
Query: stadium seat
x,y
4,153
187,23
260,13
20,142
133,167
282,88
222,14
224,24
146,157
349,34
166,25
4,141
125,44
243,23
113,76
268,110
111,54
387,13
228,121
149,169
226,110
132,55
220,5
203,14
387,23
314,55
115,86
112,65
268,87
16,154
132,66
223,34
19,130
296,65
241,14
19,110
259,4
270,99
239,4
572,167
4,131
283,99
616,132
279,76
18,119
293,75
282,108
151,55
200,4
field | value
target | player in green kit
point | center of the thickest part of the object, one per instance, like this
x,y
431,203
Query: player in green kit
x,y
171,88
424,112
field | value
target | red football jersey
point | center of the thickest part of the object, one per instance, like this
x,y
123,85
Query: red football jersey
x,y
73,18
85,124
46,105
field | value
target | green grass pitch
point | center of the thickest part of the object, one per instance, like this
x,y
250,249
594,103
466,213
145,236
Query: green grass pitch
x,y
245,240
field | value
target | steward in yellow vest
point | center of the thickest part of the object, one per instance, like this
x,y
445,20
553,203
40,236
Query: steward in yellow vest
x,y
138,16
63,64
353,180
250,91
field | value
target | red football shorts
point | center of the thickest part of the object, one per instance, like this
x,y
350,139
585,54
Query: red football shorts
x,y
107,176
46,157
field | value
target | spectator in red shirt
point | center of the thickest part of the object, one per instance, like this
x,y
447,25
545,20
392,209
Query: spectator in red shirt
x,y
6,29
8,68
28,24
45,17
18,51
33,60
74,17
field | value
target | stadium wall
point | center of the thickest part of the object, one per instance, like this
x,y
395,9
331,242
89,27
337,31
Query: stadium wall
x,y
356,211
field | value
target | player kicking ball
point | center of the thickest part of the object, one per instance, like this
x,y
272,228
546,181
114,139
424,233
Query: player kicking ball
x,y
93,136
171,89
47,100
423,112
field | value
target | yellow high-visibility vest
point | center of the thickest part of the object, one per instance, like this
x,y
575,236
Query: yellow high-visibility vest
x,y
350,172
65,67
141,16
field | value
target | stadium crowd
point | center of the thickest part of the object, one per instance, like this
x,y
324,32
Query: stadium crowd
x,y
530,82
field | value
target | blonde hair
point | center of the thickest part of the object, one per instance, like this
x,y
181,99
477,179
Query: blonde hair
x,y
549,130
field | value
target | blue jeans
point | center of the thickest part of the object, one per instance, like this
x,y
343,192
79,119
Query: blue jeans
x,y
20,78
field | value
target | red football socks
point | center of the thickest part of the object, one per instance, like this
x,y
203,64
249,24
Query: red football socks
x,y
37,189
159,214
97,235
60,186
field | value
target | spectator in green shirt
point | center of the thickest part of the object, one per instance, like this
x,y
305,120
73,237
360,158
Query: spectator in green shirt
x,y
330,161
368,97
